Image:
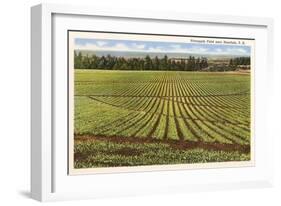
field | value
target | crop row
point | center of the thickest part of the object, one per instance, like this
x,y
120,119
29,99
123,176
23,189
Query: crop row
x,y
168,106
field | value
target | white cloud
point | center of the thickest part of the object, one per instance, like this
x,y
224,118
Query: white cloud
x,y
237,51
157,49
121,47
218,50
103,47
199,50
138,46
101,43
176,46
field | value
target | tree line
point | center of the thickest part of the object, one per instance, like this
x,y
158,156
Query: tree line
x,y
147,63
234,64
239,61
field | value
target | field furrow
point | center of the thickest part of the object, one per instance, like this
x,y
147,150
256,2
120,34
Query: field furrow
x,y
180,106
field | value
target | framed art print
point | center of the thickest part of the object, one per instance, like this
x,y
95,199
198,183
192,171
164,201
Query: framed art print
x,y
147,99
136,103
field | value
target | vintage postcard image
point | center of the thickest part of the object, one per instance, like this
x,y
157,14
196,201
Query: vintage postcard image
x,y
140,102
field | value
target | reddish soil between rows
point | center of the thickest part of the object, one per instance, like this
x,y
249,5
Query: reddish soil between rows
x,y
177,144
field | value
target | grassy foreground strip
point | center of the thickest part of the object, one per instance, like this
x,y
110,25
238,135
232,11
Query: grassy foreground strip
x,y
102,152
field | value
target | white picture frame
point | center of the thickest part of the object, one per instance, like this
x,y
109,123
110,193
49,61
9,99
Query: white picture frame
x,y
49,178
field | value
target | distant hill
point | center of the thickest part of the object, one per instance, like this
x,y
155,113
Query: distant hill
x,y
152,54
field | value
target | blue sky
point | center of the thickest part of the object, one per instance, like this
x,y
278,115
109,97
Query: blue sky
x,y
160,47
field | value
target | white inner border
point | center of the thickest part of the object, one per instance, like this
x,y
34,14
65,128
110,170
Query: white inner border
x,y
141,37
101,185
